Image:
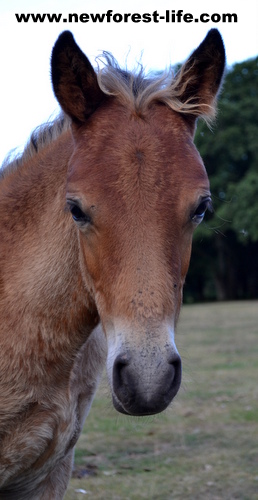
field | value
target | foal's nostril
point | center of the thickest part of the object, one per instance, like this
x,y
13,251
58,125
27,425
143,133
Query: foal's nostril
x,y
120,364
176,366
121,361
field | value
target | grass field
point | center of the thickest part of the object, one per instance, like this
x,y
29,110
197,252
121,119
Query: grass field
x,y
205,446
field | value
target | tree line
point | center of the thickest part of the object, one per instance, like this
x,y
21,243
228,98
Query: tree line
x,y
224,263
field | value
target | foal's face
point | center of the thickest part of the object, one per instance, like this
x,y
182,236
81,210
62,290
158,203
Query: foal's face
x,y
137,189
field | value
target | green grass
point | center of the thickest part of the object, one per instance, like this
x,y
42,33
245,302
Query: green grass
x,y
205,446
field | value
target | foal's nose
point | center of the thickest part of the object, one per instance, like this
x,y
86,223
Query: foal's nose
x,y
146,385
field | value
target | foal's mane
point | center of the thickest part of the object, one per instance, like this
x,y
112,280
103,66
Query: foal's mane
x,y
134,89
40,137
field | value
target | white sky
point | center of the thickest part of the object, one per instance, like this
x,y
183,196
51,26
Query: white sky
x,y
26,96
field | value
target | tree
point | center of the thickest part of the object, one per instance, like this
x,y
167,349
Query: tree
x,y
225,249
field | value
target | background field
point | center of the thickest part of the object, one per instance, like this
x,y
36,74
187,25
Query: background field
x,y
205,446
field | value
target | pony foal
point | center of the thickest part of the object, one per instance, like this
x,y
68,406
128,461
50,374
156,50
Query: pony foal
x,y
97,217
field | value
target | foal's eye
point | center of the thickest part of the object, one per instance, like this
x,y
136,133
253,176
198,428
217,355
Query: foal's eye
x,y
77,213
199,213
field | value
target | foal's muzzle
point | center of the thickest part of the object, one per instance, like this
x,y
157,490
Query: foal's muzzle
x,y
145,384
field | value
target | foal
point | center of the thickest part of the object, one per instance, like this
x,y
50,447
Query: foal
x,y
97,218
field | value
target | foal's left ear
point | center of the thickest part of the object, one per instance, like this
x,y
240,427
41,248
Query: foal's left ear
x,y
199,79
74,80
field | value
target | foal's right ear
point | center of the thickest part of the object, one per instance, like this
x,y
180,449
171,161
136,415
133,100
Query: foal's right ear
x,y
74,80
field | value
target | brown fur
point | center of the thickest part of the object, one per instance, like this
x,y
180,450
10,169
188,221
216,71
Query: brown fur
x,y
134,171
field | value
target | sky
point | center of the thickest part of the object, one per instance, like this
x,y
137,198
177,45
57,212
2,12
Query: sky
x,y
26,96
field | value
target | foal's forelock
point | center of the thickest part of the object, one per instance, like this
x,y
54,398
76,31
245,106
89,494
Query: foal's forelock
x,y
139,90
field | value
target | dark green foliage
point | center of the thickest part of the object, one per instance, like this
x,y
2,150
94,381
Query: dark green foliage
x,y
225,250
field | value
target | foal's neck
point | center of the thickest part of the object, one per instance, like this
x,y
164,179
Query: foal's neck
x,y
44,301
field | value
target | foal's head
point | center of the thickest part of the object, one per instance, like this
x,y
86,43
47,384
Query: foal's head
x,y
137,189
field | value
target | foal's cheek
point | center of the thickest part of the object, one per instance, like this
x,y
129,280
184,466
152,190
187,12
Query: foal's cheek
x,y
186,262
95,275
186,249
89,263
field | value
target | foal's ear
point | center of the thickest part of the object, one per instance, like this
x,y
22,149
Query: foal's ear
x,y
74,79
198,82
